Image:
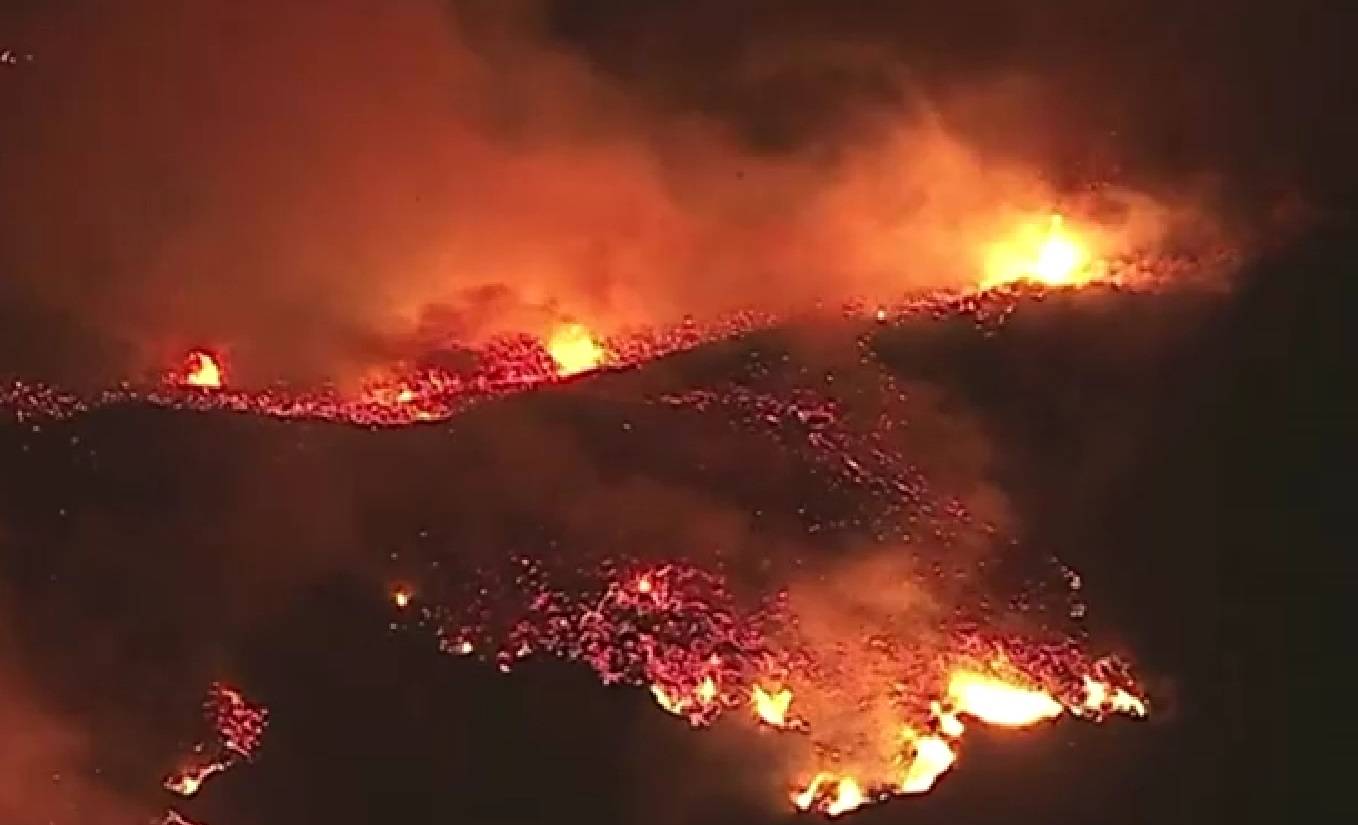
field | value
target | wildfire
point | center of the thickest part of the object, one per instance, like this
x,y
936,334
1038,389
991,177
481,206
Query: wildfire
x,y
771,708
574,349
1000,703
1041,252
202,369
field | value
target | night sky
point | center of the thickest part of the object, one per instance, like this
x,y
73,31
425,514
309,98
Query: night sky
x,y
1166,445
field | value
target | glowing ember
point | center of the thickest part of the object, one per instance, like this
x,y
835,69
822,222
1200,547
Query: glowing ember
x,y
202,369
771,708
238,728
1103,698
997,702
1049,255
401,597
188,781
574,350
668,703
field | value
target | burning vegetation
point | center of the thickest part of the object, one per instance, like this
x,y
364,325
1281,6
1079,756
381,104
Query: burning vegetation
x,y
878,705
874,699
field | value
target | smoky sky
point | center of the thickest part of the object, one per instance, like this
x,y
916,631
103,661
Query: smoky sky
x,y
313,187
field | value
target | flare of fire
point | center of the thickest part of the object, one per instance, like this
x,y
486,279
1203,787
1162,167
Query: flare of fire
x,y
401,597
1042,252
997,702
830,794
1101,697
574,349
203,370
931,756
771,708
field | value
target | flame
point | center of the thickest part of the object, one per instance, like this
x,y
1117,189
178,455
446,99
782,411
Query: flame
x,y
997,702
401,597
202,369
846,796
771,707
931,757
707,690
948,723
667,702
1048,255
574,349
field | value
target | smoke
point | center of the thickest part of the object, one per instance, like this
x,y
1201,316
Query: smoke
x,y
324,187
47,773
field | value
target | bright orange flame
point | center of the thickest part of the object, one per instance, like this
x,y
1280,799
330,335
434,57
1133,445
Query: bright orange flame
x,y
997,702
848,795
202,370
1047,254
401,597
707,690
948,723
771,707
931,758
574,349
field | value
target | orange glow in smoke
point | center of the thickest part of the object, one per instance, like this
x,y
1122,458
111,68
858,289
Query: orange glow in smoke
x,y
201,369
771,708
574,349
997,702
1044,252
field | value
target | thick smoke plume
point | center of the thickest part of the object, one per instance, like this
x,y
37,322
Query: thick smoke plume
x,y
318,188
